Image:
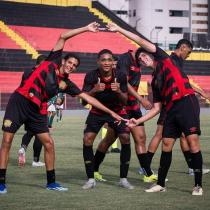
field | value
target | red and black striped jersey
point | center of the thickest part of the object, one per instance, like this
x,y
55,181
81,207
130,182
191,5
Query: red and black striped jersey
x,y
169,82
129,66
46,81
107,97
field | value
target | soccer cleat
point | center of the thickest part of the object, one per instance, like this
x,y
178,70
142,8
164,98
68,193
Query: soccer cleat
x,y
56,186
3,189
156,188
38,164
21,157
197,190
125,184
91,183
190,172
204,171
149,179
99,177
115,150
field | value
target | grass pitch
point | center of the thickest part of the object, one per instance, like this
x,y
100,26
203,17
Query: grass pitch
x,y
26,186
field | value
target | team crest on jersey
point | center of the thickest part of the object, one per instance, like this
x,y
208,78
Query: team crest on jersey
x,y
7,123
31,94
62,85
132,68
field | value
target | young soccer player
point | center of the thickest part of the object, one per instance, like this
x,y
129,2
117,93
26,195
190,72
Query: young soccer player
x,y
178,57
172,89
59,108
110,88
129,65
114,146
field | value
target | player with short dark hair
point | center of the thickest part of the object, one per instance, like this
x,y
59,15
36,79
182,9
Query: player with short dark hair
x,y
110,88
129,65
27,105
172,89
178,57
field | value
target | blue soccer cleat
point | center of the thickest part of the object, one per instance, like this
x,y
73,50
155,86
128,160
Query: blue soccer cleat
x,y
3,189
57,187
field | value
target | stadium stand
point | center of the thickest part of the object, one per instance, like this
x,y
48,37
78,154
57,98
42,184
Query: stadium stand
x,y
46,22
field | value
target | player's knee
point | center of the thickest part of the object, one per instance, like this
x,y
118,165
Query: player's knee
x,y
125,139
195,147
88,140
167,145
7,141
140,140
194,143
48,144
6,144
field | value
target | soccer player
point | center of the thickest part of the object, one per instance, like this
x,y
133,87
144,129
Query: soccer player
x,y
171,88
59,108
114,147
110,88
178,57
37,145
128,64
27,105
51,109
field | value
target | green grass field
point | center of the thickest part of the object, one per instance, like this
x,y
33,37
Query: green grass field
x,y
26,186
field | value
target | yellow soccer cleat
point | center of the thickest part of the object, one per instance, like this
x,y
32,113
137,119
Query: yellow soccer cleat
x,y
99,177
149,179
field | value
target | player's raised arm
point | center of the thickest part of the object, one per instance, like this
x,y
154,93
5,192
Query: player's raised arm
x,y
148,46
92,27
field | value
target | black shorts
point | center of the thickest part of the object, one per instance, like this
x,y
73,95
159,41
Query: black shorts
x,y
135,114
184,116
162,117
95,122
20,111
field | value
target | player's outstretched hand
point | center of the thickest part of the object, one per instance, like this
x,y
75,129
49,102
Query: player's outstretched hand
x,y
112,27
93,27
132,123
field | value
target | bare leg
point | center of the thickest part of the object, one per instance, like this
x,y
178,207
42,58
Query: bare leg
x,y
49,151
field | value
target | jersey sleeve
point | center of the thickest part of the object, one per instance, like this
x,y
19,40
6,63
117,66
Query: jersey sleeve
x,y
72,89
55,56
122,79
160,54
89,82
26,75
